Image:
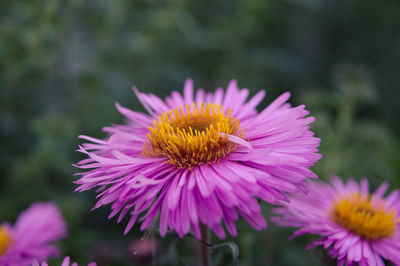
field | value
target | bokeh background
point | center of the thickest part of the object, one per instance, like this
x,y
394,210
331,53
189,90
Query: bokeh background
x,y
64,63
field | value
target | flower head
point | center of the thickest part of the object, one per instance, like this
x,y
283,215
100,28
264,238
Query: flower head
x,y
200,158
357,227
32,235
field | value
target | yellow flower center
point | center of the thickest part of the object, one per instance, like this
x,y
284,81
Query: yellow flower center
x,y
192,135
360,216
5,240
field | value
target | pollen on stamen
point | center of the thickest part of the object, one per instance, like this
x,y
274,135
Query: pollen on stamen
x,y
358,214
190,135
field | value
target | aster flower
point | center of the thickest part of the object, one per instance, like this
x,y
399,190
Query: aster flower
x,y
32,235
357,227
65,262
200,158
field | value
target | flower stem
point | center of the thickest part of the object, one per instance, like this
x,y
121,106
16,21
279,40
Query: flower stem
x,y
205,249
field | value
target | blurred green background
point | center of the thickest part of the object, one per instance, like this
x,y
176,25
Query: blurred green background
x,y
63,65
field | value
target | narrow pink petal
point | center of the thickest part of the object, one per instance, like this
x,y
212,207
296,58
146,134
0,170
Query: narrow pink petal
x,y
143,102
203,187
200,96
99,141
130,223
164,218
188,91
66,262
364,186
275,104
218,96
393,198
134,116
251,105
237,140
381,190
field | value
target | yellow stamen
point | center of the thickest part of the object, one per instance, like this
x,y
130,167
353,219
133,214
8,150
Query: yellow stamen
x,y
5,240
190,135
358,214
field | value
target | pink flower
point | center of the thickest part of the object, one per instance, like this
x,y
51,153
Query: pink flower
x,y
32,235
200,158
356,226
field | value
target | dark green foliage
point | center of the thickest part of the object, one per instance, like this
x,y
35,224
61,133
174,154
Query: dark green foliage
x,y
65,63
